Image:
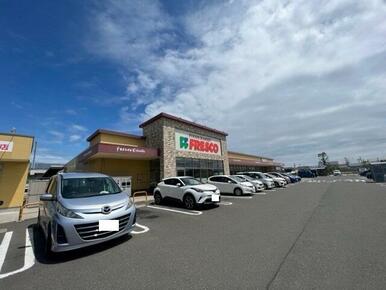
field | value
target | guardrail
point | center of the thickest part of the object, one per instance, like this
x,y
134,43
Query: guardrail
x,y
140,192
27,204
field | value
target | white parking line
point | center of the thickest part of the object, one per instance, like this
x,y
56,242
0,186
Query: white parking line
x,y
4,247
29,257
144,229
191,212
239,197
259,193
225,203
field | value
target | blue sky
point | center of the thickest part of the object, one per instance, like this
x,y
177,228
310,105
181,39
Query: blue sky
x,y
284,80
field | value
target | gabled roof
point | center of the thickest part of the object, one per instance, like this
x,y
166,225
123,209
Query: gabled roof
x,y
178,119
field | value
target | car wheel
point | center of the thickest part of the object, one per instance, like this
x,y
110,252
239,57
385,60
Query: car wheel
x,y
238,191
265,186
277,184
189,201
38,221
157,198
48,243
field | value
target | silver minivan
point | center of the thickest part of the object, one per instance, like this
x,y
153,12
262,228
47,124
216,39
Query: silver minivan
x,y
83,209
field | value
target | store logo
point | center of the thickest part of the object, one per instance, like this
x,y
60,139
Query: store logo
x,y
6,146
196,144
184,142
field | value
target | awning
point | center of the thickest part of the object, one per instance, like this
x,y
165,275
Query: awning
x,y
102,150
246,162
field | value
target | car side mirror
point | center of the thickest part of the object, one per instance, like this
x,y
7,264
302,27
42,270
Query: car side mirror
x,y
179,184
229,181
47,197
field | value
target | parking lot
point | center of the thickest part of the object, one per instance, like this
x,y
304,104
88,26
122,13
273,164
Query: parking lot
x,y
322,233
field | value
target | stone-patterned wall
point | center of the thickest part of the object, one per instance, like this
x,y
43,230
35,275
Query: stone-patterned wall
x,y
154,138
161,134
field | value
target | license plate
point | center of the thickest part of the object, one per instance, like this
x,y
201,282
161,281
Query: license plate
x,y
215,197
109,225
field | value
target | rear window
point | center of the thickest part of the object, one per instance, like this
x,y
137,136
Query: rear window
x,y
88,187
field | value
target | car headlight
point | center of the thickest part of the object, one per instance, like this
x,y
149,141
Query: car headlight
x,y
197,189
66,212
129,204
217,191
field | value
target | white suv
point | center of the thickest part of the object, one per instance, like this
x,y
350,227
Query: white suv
x,y
188,190
230,184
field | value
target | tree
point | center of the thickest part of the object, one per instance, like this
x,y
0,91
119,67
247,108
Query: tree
x,y
323,159
347,162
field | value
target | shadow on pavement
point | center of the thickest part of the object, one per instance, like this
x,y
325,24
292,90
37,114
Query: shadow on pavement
x,y
56,258
179,205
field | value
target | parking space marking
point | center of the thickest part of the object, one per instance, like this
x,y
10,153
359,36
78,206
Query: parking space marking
x,y
144,229
259,193
29,257
4,247
191,212
225,203
239,197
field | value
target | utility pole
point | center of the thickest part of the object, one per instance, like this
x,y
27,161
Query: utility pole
x,y
33,160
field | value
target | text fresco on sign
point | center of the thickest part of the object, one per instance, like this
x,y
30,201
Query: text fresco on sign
x,y
196,143
6,146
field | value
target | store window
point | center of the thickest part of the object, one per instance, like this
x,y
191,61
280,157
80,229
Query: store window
x,y
199,168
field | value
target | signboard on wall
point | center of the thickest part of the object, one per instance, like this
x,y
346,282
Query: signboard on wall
x,y
6,146
190,142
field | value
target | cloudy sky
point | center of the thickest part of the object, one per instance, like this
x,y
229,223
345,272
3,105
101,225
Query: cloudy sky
x,y
285,79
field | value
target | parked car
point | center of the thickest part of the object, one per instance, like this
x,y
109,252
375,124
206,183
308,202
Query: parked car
x,y
337,173
188,190
83,209
231,184
268,182
277,174
293,178
367,173
305,173
279,182
259,186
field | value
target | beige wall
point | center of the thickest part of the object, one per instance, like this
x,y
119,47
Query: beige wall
x,y
13,177
14,170
22,147
139,170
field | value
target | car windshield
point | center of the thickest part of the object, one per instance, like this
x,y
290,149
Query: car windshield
x,y
190,181
87,187
238,178
247,178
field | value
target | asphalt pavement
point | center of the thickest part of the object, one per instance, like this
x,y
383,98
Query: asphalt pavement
x,y
323,233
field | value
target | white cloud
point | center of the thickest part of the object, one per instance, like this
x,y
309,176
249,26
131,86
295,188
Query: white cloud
x,y
80,128
284,79
71,112
75,138
57,137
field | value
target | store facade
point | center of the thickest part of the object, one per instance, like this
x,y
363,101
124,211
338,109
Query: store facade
x,y
169,146
240,162
15,151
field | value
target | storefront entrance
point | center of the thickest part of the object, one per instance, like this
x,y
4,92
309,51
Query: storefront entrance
x,y
199,168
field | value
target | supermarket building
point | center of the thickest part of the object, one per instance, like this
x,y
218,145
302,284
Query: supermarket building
x,y
169,146
15,151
